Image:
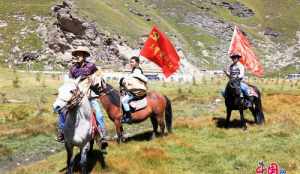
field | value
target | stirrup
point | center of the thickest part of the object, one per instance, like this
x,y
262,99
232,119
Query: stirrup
x,y
60,138
126,119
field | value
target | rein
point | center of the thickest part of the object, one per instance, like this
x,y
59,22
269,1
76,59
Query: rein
x,y
75,100
104,92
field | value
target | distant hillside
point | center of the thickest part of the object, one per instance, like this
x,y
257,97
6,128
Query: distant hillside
x,y
202,29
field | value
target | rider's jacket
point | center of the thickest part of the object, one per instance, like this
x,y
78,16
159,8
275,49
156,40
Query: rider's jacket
x,y
87,69
89,76
136,81
237,70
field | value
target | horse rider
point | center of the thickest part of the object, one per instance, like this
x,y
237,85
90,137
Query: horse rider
x,y
86,71
134,85
237,71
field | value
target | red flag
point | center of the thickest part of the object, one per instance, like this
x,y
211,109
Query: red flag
x,y
160,50
240,44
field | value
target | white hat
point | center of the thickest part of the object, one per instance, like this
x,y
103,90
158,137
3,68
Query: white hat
x,y
82,49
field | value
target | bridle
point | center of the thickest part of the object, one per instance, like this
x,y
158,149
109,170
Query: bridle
x,y
75,99
103,89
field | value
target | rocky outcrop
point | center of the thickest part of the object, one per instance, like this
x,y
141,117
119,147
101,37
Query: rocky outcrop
x,y
70,31
238,9
30,56
269,32
211,25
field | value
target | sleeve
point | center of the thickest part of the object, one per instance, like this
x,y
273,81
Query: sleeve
x,y
72,72
228,69
242,71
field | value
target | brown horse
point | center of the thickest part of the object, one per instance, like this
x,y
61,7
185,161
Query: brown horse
x,y
159,109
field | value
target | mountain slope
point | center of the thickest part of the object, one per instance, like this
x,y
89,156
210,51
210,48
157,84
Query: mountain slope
x,y
18,21
203,28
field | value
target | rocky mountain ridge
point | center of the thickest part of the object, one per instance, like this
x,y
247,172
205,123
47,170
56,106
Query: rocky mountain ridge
x,y
200,30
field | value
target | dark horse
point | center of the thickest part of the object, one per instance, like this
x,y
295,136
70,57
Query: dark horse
x,y
159,110
234,101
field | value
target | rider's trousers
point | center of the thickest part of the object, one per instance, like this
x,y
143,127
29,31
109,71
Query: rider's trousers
x,y
99,115
61,120
125,101
244,89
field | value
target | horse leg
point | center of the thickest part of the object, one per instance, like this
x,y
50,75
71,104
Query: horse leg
x,y
254,114
155,126
83,157
91,146
161,124
119,130
70,159
259,114
228,117
243,122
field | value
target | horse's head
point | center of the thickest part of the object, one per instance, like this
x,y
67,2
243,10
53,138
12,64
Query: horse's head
x,y
69,95
233,87
99,86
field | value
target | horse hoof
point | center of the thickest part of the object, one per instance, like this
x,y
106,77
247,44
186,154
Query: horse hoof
x,y
104,145
123,140
244,128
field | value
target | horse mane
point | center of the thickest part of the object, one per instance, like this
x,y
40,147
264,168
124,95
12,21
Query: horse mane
x,y
113,95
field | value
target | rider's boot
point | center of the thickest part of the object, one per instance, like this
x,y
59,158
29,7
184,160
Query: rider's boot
x,y
103,140
60,125
103,134
247,101
127,117
60,136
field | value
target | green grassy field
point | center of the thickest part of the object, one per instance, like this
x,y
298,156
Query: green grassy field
x,y
199,144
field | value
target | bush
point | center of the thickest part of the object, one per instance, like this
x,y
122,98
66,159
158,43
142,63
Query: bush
x,y
194,81
16,82
179,90
204,81
3,98
38,77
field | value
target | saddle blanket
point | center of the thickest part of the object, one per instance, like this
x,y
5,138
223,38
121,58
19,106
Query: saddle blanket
x,y
139,104
252,92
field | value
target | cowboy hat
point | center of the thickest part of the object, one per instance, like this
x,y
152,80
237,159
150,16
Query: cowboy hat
x,y
235,55
81,49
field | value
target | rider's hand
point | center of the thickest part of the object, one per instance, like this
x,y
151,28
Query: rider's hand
x,y
225,72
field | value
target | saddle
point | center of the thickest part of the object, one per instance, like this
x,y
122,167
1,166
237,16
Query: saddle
x,y
137,104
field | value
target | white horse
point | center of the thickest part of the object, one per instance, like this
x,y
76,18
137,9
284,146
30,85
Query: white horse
x,y
78,127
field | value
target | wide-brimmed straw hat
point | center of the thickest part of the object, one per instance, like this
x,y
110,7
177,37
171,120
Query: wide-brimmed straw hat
x,y
82,49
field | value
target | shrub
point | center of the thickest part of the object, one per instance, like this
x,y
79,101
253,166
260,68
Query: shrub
x,y
16,82
38,77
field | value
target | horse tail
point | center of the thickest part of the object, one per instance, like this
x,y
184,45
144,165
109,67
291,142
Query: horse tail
x,y
168,114
258,109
